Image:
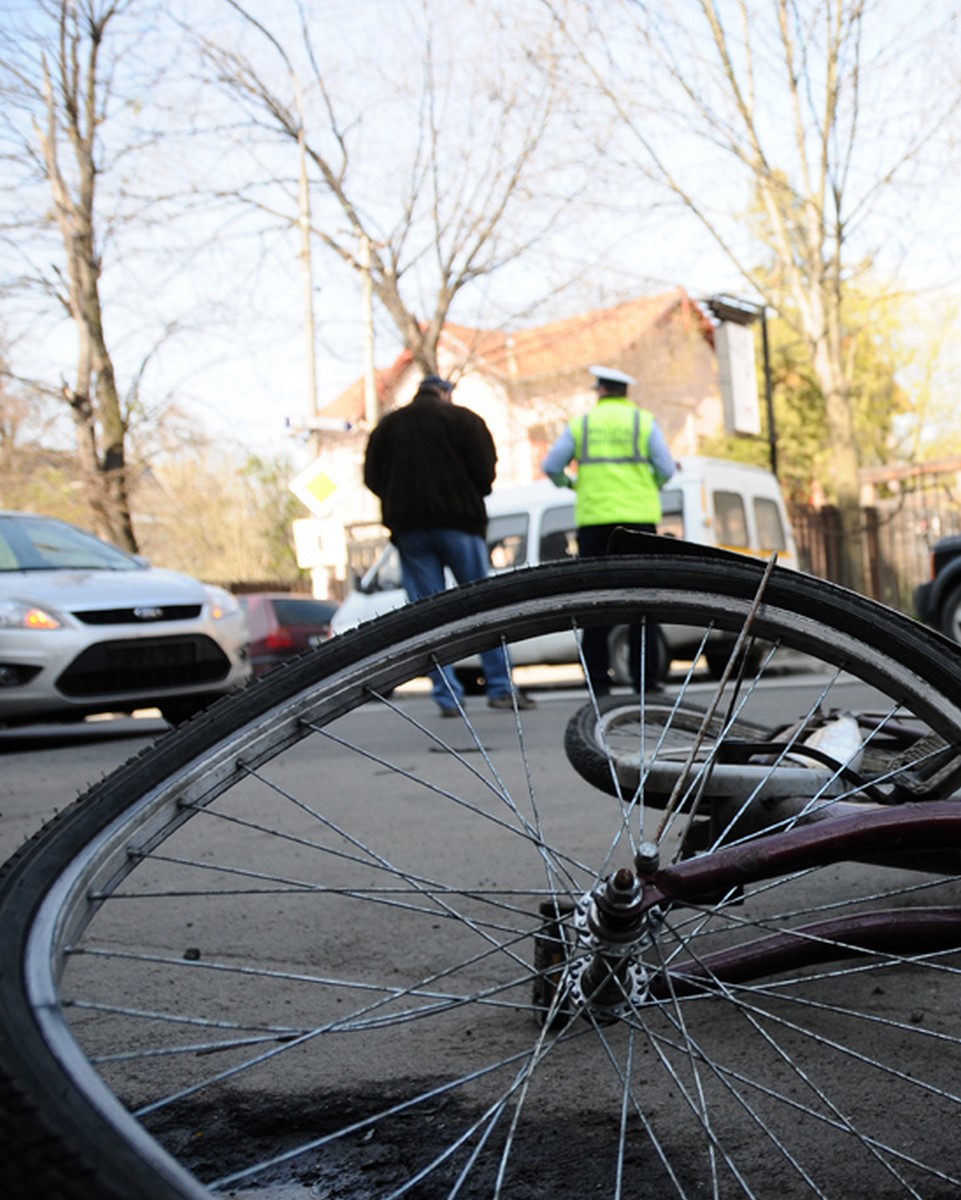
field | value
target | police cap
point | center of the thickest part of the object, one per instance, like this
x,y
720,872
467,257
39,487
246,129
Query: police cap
x,y
611,375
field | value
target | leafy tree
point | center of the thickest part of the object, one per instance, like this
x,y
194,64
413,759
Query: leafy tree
x,y
931,373
874,353
819,108
219,517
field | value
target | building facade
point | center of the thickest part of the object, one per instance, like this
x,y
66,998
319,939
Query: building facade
x,y
528,384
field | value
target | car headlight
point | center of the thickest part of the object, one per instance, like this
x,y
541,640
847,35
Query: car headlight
x,y
222,603
21,614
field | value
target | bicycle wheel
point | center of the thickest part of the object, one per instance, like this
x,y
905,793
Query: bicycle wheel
x,y
603,739
320,941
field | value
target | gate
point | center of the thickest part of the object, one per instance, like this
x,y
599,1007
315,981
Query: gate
x,y
913,507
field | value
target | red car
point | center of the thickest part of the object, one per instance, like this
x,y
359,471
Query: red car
x,y
282,625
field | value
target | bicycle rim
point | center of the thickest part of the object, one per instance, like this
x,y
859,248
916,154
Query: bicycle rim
x,y
320,939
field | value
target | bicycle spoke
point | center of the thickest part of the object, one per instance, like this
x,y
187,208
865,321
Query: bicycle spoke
x,y
370,952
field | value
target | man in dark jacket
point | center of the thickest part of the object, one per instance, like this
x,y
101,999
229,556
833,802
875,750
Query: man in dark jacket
x,y
431,463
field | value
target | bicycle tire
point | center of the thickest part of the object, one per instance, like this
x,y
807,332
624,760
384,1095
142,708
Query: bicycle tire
x,y
590,731
66,1129
950,615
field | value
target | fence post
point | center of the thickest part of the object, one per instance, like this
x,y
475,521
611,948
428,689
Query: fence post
x,y
872,551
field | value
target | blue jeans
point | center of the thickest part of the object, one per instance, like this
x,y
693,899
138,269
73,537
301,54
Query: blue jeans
x,y
424,553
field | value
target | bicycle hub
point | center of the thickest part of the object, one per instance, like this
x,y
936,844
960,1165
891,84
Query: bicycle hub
x,y
615,926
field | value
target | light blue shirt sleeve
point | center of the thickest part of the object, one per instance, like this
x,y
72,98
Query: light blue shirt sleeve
x,y
562,452
661,458
557,458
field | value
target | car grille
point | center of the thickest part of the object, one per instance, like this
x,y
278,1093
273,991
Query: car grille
x,y
142,615
143,666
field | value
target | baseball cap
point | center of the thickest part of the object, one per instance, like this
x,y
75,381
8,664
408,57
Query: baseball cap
x,y
435,381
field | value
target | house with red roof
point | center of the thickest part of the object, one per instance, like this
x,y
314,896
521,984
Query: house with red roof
x,y
527,384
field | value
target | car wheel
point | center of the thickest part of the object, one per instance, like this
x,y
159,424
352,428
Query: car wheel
x,y
716,658
175,712
472,681
620,650
950,616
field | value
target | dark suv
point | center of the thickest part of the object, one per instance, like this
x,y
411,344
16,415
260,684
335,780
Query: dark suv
x,y
938,602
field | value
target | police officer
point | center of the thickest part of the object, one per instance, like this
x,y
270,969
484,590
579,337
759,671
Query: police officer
x,y
622,463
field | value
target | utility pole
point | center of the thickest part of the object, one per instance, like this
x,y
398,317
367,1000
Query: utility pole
x,y
769,393
303,220
307,274
371,407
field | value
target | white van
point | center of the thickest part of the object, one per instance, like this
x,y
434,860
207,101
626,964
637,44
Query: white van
x,y
709,501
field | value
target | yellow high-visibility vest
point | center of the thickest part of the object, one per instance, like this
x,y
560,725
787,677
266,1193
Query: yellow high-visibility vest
x,y
615,477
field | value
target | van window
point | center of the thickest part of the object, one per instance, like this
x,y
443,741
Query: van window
x,y
770,528
558,533
730,519
388,576
671,523
507,541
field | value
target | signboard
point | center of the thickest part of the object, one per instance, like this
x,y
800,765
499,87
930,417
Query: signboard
x,y
318,424
319,543
315,488
738,377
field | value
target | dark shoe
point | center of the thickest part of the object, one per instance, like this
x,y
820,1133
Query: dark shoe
x,y
507,702
449,712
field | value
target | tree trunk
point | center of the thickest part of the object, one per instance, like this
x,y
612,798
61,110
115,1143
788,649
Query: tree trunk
x,y
72,105
845,461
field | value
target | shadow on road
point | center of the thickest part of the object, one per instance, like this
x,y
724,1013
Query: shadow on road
x,y
29,738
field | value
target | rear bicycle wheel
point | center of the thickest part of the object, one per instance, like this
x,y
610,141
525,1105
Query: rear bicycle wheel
x,y
603,739
319,938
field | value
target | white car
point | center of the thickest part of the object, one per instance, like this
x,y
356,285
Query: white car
x,y
88,628
709,501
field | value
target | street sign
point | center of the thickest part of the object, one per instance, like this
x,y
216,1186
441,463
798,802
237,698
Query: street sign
x,y
318,424
314,488
738,378
320,543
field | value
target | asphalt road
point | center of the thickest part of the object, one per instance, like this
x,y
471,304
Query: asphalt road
x,y
46,768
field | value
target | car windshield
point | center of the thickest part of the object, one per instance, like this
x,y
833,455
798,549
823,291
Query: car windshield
x,y
303,612
45,544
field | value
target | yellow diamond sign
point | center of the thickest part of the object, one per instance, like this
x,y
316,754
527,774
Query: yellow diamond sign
x,y
314,487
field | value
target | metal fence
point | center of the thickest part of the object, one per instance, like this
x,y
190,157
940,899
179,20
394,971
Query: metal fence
x,y
922,504
897,534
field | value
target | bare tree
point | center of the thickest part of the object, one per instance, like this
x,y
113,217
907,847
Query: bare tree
x,y
809,111
222,515
69,125
442,183
75,86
